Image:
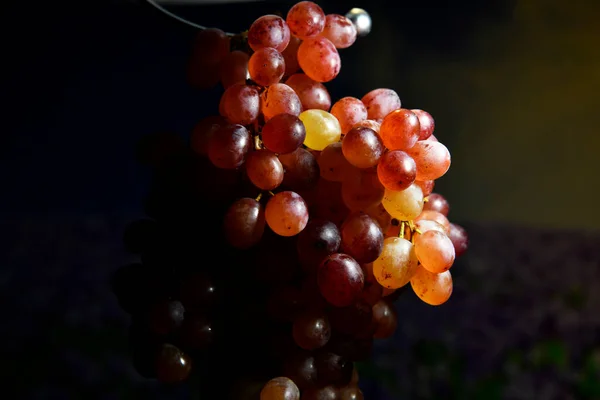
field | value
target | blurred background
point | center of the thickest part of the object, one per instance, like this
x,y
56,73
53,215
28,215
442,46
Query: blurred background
x,y
514,87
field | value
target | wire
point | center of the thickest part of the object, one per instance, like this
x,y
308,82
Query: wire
x,y
178,18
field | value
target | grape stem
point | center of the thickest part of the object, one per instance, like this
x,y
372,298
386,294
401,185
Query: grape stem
x,y
271,193
425,199
402,225
257,198
257,143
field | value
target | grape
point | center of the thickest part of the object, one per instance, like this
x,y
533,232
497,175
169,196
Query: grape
x,y
426,122
244,223
279,99
312,94
332,369
234,69
437,202
301,169
283,133
319,239
269,31
322,129
435,251
285,303
324,393
433,138
156,149
349,111
433,289
381,102
396,170
351,393
286,213
354,380
459,238
362,190
362,238
202,75
204,130
198,292
380,215
280,389
425,225
319,59
266,66
435,216
369,123
333,165
329,203
211,45
351,320
172,365
400,130
426,186
228,147
290,55
339,30
140,235
166,316
432,158
300,367
311,330
240,104
404,205
264,169
396,264
196,333
362,147
340,279
305,19
385,319
373,291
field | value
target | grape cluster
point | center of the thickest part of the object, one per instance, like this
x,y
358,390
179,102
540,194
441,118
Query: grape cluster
x,y
278,239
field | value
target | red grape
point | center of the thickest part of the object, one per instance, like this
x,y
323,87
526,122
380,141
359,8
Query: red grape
x,y
438,203
228,146
381,102
341,279
306,19
264,169
266,66
396,170
426,123
319,59
361,237
240,104
312,94
339,30
283,133
269,31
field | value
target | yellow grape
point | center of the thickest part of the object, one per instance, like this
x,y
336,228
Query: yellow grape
x,y
404,205
322,129
433,289
435,251
396,264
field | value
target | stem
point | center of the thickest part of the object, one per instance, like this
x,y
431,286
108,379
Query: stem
x,y
402,225
425,199
258,197
271,193
257,143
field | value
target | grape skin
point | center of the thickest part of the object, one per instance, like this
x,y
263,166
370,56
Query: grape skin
x,y
266,66
350,111
433,289
244,223
305,19
228,146
264,169
435,251
280,388
396,264
339,30
269,31
283,133
286,213
279,99
240,104
404,205
319,59
322,129
340,279
381,102
432,159
312,94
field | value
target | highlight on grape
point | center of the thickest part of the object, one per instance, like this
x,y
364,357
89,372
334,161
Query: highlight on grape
x,y
278,238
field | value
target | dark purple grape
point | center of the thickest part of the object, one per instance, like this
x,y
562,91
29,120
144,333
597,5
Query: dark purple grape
x,y
362,237
172,364
197,333
351,320
325,393
311,330
333,369
340,279
198,292
166,316
319,239
300,368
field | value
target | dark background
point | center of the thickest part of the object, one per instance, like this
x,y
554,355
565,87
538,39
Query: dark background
x,y
514,87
